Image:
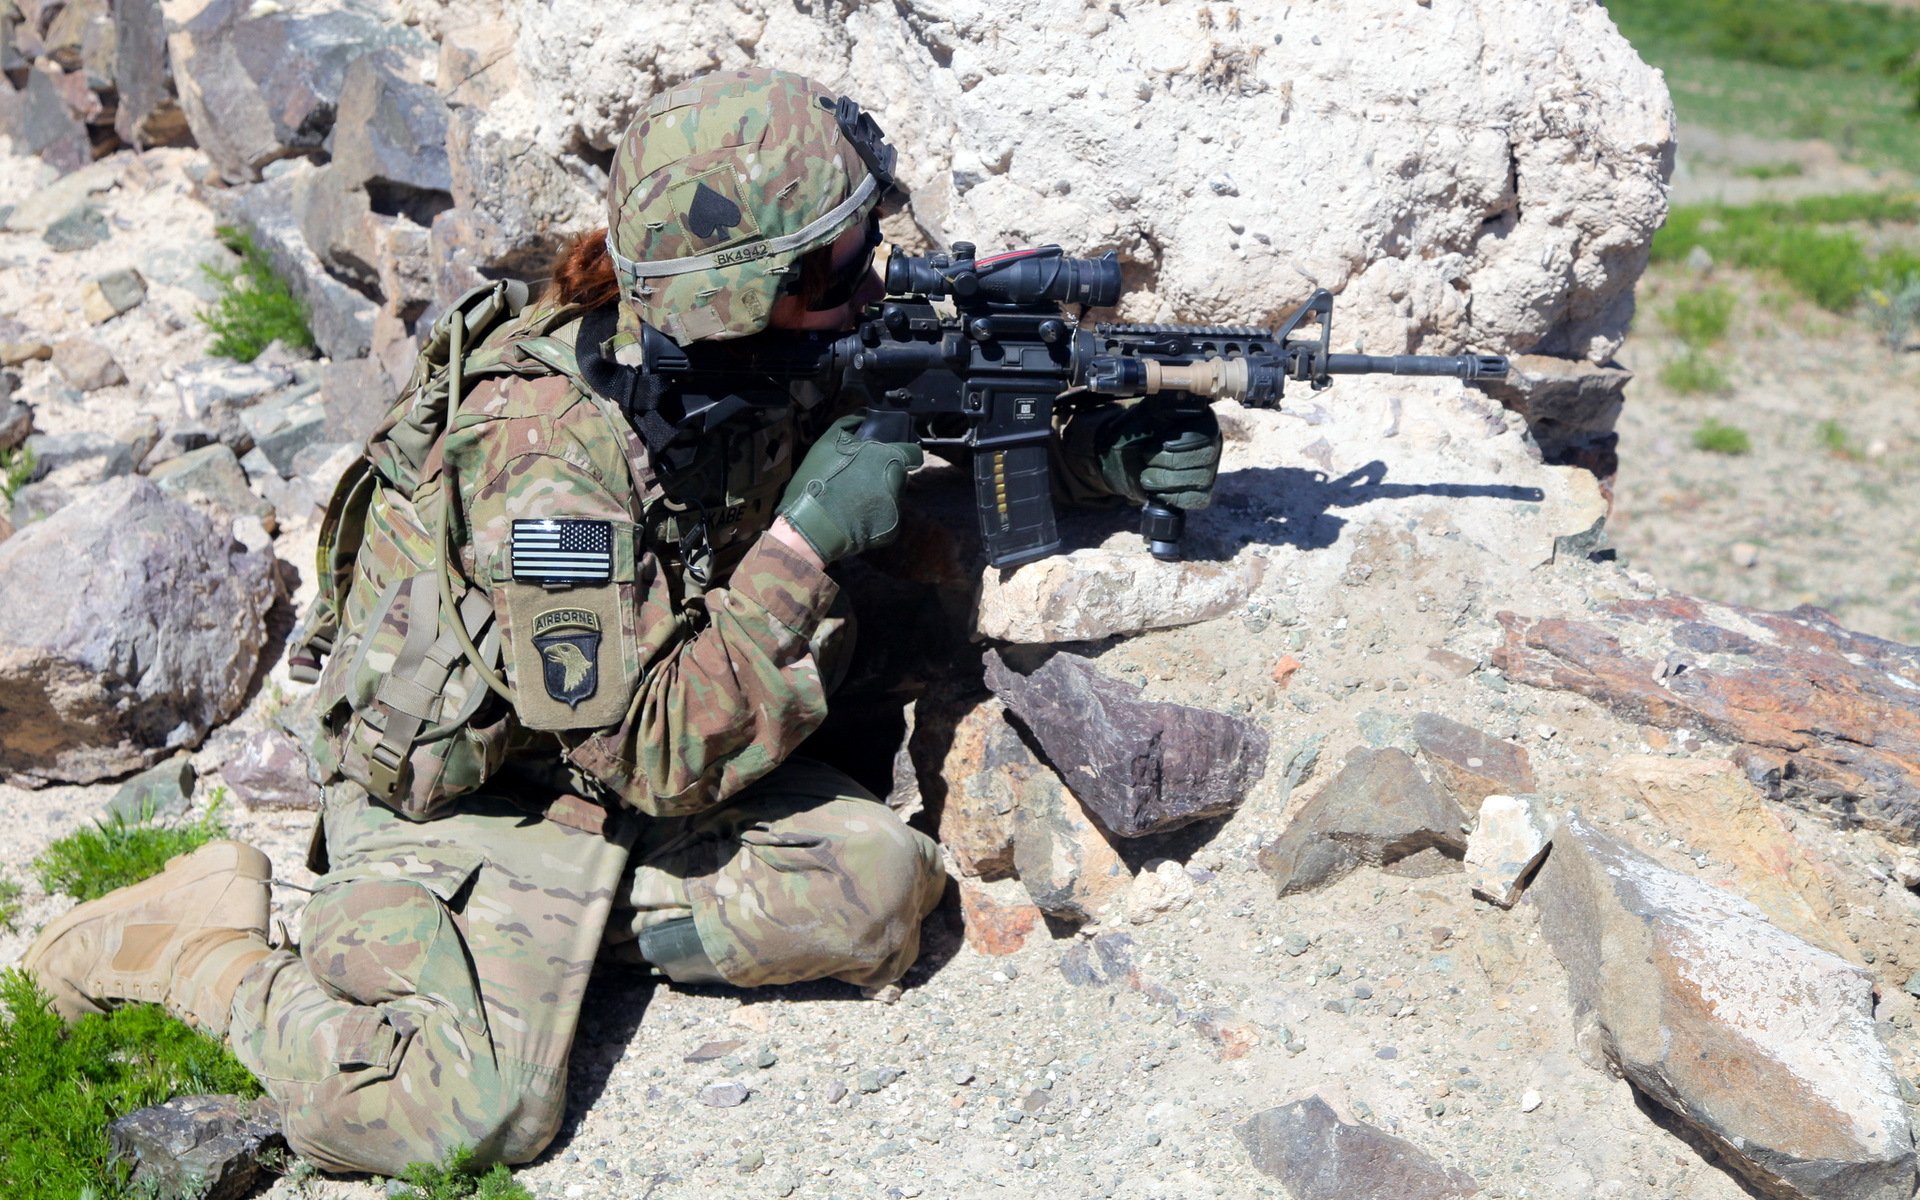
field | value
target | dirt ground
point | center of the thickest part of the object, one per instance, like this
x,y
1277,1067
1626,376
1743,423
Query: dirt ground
x,y
1799,519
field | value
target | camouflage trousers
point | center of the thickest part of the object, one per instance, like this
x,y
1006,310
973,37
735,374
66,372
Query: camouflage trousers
x,y
437,985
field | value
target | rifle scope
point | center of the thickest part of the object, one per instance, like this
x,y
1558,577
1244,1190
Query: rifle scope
x,y
1037,276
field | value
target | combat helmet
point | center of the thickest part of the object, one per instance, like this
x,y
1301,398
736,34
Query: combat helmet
x,y
719,187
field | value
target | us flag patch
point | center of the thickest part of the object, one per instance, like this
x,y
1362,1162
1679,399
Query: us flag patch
x,y
562,552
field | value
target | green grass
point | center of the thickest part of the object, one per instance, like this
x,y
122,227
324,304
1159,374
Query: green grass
x,y
116,852
1790,170
255,307
9,904
1700,318
1834,440
1811,243
65,1086
1717,438
458,1179
1895,310
16,468
1868,117
1831,36
1694,374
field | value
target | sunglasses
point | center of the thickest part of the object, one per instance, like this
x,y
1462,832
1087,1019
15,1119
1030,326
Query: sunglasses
x,y
848,281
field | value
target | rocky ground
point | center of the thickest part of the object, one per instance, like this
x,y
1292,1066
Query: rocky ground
x,y
1799,520
1367,539
1391,613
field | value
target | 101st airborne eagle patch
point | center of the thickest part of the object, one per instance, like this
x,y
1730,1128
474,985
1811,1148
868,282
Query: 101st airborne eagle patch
x,y
568,640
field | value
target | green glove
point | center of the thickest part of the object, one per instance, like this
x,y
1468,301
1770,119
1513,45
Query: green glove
x,y
1147,451
845,496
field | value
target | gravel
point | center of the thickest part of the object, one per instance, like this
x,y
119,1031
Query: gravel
x,y
1001,1075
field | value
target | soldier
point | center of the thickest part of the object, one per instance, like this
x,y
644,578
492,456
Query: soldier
x,y
572,650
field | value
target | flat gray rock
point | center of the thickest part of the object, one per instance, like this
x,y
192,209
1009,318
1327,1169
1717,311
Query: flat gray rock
x,y
196,1147
107,296
54,451
1317,1156
157,792
130,625
1470,764
81,228
1378,810
210,478
284,425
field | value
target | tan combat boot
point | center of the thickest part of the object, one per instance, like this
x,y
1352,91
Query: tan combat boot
x,y
181,939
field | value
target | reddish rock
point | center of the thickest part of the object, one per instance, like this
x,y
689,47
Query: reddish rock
x,y
998,918
271,772
1758,1042
1450,665
1067,865
977,815
1707,803
1470,764
1235,1036
1139,766
1828,719
1284,669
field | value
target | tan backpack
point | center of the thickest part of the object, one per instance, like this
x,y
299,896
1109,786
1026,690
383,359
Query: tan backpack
x,y
403,649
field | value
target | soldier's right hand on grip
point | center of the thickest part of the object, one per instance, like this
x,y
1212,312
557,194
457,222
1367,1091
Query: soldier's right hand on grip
x,y
846,495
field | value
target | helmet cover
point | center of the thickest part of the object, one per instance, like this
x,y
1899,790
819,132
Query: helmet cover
x,y
718,188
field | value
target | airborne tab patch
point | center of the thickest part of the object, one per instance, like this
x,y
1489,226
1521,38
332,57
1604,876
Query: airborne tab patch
x,y
562,552
568,640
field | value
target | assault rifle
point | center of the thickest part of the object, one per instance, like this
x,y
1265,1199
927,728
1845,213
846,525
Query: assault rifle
x,y
989,375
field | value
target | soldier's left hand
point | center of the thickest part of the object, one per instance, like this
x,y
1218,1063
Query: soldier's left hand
x,y
1160,452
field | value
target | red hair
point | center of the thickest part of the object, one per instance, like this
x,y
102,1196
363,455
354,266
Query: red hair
x,y
583,274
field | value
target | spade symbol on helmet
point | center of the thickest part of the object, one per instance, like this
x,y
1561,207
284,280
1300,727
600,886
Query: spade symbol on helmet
x,y
710,214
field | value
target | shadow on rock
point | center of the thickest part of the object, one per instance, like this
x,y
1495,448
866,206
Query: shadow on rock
x,y
1295,504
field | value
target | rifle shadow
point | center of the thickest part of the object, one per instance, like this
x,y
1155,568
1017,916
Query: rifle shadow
x,y
1283,506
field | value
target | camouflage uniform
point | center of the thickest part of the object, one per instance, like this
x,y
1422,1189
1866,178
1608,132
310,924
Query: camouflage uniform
x,y
644,778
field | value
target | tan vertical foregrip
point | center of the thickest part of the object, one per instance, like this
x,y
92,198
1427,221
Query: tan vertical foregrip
x,y
1214,378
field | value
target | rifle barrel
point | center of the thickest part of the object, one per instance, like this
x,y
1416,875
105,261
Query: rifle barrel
x,y
1456,366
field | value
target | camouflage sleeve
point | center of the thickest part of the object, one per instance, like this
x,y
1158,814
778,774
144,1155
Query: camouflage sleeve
x,y
718,708
672,703
1077,481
